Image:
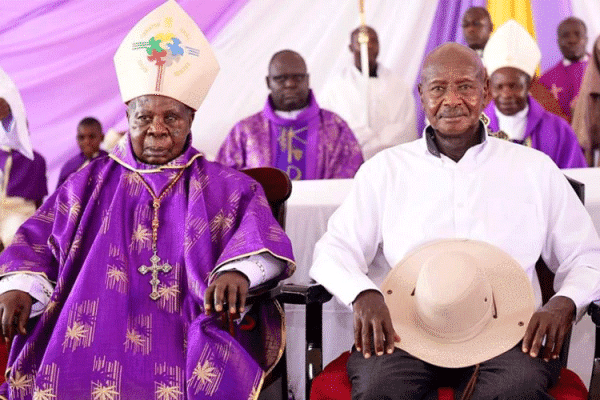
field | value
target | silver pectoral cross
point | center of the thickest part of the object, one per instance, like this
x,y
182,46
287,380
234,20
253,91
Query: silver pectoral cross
x,y
155,268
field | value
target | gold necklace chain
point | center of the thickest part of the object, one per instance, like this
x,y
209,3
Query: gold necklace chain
x,y
156,204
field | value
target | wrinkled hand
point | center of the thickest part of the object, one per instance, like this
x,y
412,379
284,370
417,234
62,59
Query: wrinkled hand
x,y
4,108
552,321
15,306
230,287
373,324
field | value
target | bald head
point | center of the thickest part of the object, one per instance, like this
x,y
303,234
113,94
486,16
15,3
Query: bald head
x,y
448,55
288,81
477,27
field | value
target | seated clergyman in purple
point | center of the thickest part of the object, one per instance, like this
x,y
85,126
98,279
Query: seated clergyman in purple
x,y
89,138
564,79
23,184
128,261
292,132
511,57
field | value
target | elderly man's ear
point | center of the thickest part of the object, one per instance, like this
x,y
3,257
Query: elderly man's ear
x,y
4,108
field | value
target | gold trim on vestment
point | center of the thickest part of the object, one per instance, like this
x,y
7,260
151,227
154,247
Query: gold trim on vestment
x,y
154,170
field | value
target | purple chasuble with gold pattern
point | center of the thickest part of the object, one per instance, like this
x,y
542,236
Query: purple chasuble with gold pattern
x,y
102,336
564,83
321,144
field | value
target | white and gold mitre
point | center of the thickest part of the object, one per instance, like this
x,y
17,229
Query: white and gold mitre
x,y
511,46
166,54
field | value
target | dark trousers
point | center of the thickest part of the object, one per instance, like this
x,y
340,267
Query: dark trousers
x,y
511,375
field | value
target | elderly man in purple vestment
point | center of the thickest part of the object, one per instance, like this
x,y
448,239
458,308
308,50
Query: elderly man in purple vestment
x,y
292,132
564,79
89,138
511,57
23,183
128,261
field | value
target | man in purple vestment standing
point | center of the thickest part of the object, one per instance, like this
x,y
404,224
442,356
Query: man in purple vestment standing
x,y
511,57
564,79
132,262
89,137
23,183
292,132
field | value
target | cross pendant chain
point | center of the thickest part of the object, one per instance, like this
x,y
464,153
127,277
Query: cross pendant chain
x,y
155,265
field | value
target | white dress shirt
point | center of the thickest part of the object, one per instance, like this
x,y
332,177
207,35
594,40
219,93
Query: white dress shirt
x,y
505,194
392,116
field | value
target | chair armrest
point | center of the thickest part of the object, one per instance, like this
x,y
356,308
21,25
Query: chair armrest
x,y
594,311
301,294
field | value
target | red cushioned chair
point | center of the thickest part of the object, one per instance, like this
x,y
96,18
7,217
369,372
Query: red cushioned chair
x,y
333,382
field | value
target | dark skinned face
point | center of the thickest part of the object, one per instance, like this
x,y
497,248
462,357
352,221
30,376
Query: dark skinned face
x,y
477,29
288,82
372,49
572,39
89,138
509,88
453,94
4,108
158,127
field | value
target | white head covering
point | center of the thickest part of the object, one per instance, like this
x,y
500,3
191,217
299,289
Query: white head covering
x,y
166,54
17,138
511,46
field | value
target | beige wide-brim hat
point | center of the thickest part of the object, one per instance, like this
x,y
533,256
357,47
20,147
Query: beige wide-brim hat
x,y
457,303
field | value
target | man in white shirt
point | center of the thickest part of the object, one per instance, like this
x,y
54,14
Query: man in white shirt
x,y
391,106
458,182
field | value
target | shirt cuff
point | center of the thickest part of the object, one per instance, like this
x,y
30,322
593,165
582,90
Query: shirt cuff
x,y
258,268
36,286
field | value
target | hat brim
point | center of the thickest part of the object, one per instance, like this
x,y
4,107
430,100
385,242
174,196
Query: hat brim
x,y
513,296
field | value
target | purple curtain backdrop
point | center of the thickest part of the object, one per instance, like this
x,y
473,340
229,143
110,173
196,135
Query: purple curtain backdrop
x,y
547,14
59,53
445,28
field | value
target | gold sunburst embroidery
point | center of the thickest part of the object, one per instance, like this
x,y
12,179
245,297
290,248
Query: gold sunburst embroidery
x,y
43,394
116,274
20,381
164,392
142,235
77,331
100,392
204,373
134,338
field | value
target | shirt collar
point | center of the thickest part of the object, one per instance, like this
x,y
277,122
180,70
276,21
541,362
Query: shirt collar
x,y
432,145
585,58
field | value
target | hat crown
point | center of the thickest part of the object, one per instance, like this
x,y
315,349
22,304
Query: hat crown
x,y
453,297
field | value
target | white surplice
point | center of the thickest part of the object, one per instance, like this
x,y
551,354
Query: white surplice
x,y
392,117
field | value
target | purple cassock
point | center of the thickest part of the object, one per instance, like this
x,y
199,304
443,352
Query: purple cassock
x,y
318,144
102,336
27,178
548,133
564,83
74,164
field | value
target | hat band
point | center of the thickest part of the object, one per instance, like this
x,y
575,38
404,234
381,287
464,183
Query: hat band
x,y
459,336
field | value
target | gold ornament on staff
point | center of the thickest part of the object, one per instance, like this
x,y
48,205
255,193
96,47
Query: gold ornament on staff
x,y
363,40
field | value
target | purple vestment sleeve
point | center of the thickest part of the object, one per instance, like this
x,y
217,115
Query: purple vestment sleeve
x,y
27,177
549,134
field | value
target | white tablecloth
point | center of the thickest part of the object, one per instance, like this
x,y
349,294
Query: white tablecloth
x,y
308,210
